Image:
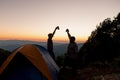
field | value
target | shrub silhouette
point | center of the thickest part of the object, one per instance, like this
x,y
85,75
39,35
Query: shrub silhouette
x,y
3,55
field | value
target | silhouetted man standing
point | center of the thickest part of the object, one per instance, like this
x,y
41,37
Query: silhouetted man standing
x,y
72,52
50,43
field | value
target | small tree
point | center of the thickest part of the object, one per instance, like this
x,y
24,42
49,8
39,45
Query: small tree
x,y
104,42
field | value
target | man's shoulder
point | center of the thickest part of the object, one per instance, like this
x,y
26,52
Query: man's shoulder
x,y
73,44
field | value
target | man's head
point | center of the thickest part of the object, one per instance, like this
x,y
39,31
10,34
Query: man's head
x,y
72,39
50,35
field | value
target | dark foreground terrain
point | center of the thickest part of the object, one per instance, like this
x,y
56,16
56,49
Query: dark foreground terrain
x,y
92,73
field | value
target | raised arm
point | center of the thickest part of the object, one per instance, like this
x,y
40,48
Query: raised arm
x,y
55,30
69,36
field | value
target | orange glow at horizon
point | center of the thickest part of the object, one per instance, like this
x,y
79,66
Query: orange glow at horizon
x,y
40,38
65,39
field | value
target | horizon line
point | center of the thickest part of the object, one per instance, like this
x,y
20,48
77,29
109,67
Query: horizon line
x,y
55,41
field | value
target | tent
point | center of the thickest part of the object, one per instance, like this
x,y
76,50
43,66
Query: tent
x,y
29,62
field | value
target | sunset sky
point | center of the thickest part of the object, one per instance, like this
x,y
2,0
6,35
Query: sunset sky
x,y
34,19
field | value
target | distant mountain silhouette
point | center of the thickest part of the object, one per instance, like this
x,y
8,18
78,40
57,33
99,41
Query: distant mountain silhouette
x,y
13,44
10,45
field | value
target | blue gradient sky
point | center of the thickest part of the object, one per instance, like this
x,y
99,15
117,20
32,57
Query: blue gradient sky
x,y
34,19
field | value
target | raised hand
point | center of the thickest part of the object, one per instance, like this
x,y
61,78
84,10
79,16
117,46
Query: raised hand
x,y
55,30
69,36
57,27
67,30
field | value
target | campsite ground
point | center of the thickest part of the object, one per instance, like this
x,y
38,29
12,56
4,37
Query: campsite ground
x,y
92,73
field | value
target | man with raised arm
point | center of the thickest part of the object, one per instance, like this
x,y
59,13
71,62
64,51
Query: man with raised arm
x,y
72,49
72,52
50,43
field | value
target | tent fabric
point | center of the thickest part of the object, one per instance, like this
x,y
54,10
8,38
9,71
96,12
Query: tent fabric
x,y
40,64
20,68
